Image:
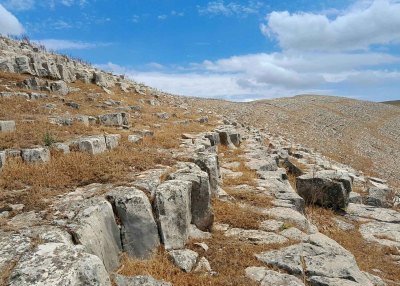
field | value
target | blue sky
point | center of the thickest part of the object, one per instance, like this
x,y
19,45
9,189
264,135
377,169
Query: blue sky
x,y
237,50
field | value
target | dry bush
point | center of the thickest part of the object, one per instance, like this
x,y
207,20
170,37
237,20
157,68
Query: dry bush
x,y
369,256
236,216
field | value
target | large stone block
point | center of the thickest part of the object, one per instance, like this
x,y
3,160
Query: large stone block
x,y
112,140
59,87
172,204
201,208
114,119
93,145
96,229
36,155
327,188
139,231
209,163
7,126
59,264
2,159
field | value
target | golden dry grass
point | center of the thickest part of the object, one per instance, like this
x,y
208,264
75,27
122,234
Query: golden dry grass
x,y
67,171
251,197
369,256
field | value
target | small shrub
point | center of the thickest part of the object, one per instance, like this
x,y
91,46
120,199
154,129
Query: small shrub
x,y
48,139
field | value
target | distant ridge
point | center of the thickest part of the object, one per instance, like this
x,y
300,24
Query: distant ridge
x,y
392,102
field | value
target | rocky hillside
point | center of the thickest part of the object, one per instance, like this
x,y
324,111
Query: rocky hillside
x,y
365,135
104,181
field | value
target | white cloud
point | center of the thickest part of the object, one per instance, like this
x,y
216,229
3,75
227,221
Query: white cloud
x,y
162,17
219,7
9,24
56,45
19,5
356,29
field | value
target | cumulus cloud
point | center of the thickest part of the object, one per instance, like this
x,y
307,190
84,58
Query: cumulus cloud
x,y
354,29
231,8
57,45
9,24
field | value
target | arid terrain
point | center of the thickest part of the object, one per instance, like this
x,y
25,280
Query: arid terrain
x,y
104,181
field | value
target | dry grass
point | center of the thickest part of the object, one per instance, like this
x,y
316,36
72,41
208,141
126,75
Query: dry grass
x,y
65,172
236,216
251,197
369,256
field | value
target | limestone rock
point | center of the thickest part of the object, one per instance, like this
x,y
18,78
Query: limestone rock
x,y
36,155
172,203
210,164
201,208
58,264
93,144
135,138
185,259
2,159
268,277
112,140
59,87
95,228
7,126
62,147
138,230
203,266
114,119
256,236
325,188
139,281
12,246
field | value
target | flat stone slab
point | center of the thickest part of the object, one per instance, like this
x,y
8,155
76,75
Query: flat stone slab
x,y
375,213
386,234
139,281
7,126
268,277
256,236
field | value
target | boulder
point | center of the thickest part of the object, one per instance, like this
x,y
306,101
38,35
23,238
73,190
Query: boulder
x,y
7,126
138,281
22,65
95,228
214,138
35,155
208,162
163,115
185,259
172,204
318,256
201,209
62,147
114,119
139,231
379,197
112,140
93,144
203,266
225,138
355,198
58,264
135,138
326,188
103,80
59,87
264,164
267,277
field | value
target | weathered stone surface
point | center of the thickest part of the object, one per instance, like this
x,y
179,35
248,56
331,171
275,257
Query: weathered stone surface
x,y
2,159
59,264
185,259
213,137
7,126
139,231
62,147
210,164
329,281
172,203
135,138
291,216
195,233
271,225
265,164
102,80
380,214
379,197
293,234
268,277
36,155
318,256
95,228
355,198
12,246
225,139
114,119
59,87
112,140
139,281
386,234
93,144
203,266
325,188
201,208
256,236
